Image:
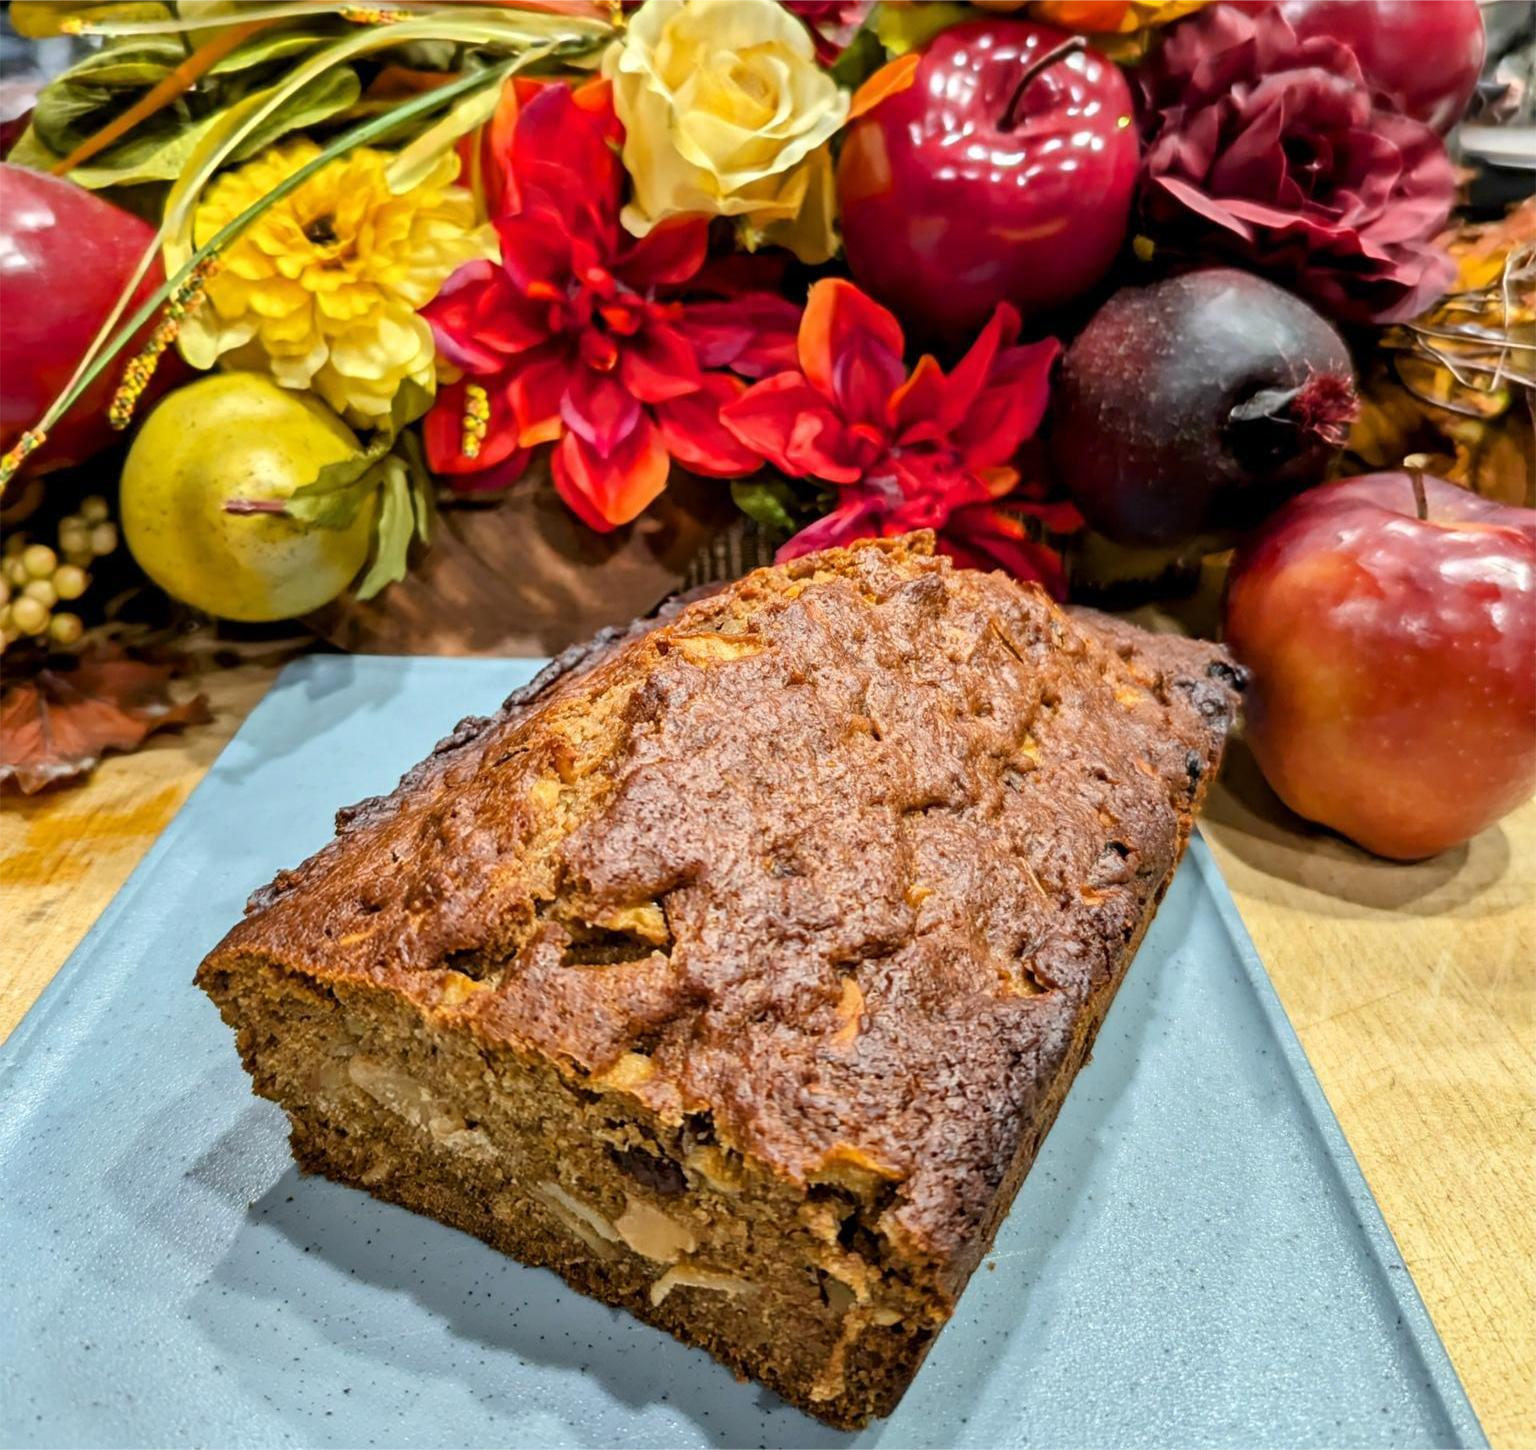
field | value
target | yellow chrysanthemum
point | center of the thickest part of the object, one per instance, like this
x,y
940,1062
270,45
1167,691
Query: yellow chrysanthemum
x,y
323,289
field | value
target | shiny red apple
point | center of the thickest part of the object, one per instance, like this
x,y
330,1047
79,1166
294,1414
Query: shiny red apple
x,y
1425,54
64,256
1004,173
1391,634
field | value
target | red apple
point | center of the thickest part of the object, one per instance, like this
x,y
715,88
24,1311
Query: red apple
x,y
1391,635
64,256
999,175
1425,54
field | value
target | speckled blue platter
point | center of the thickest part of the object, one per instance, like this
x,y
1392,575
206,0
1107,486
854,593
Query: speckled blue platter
x,y
1195,1259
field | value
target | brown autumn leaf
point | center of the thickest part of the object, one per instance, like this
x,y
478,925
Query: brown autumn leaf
x,y
55,725
1480,248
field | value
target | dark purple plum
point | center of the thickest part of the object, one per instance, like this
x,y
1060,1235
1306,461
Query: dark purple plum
x,y
1189,409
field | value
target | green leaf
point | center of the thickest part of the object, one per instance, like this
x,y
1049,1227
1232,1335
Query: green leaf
x,y
332,498
30,151
861,57
407,509
423,491
329,94
79,103
267,46
440,55
79,112
137,63
150,153
396,528
906,27
198,19
67,111
770,502
410,403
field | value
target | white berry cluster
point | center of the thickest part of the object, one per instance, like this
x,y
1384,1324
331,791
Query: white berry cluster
x,y
35,579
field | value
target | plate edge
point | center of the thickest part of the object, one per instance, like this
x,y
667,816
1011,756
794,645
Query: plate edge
x,y
1439,1369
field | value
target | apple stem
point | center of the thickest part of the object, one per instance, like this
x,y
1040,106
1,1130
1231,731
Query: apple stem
x,y
1416,478
1035,68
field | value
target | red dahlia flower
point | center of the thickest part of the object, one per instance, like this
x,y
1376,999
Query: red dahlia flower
x,y
1272,149
576,336
925,451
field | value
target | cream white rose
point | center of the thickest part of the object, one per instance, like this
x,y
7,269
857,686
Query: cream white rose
x,y
727,113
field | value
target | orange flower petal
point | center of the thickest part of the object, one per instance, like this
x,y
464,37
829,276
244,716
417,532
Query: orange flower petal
x,y
838,315
889,80
534,393
1009,407
606,492
667,255
695,436
595,95
986,537
500,184
918,401
786,421
973,372
998,481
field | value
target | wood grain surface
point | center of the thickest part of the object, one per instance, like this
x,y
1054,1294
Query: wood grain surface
x,y
1413,989
64,853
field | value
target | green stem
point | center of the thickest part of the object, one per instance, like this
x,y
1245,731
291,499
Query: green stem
x,y
359,135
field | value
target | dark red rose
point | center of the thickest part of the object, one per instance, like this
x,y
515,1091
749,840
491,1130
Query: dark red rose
x,y
1272,149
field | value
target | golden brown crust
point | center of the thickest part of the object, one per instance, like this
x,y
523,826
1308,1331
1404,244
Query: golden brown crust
x,y
848,857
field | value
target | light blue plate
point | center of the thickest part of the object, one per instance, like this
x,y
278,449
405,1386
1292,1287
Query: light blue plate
x,y
1195,1259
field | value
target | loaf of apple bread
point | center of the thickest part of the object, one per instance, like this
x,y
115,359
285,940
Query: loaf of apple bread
x,y
735,969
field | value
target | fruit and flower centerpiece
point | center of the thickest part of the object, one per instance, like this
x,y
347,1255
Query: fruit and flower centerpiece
x,y
453,325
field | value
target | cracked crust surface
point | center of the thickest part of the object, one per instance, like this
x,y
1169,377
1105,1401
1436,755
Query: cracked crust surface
x,y
844,861
839,852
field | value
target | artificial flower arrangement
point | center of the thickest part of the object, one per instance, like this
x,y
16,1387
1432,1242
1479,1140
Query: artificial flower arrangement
x,y
531,258
865,268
